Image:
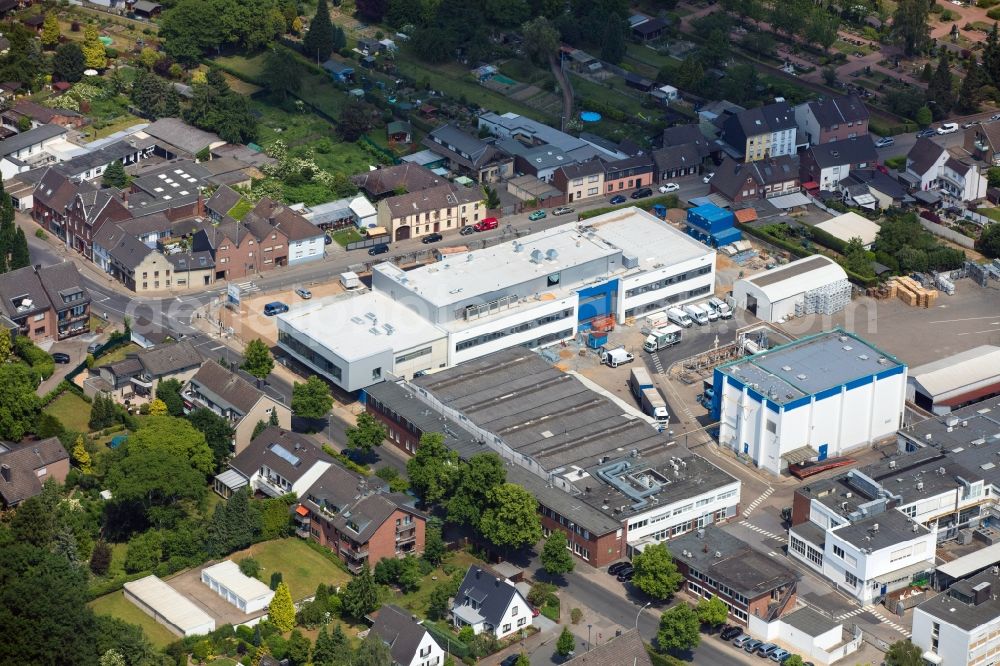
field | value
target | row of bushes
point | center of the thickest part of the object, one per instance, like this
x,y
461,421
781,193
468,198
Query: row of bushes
x,y
668,200
877,127
61,388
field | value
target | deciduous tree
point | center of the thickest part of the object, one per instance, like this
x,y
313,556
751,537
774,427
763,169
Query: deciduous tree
x,y
367,433
655,572
312,399
434,470
909,25
613,39
373,651
541,40
168,391
19,405
100,558
282,75
217,431
989,241
257,359
556,558
712,611
678,629
173,434
477,478
511,519
354,121
903,653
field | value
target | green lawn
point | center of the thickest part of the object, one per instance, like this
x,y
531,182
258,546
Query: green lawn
x,y
303,132
992,213
301,567
116,605
248,68
417,601
71,410
117,354
239,211
617,96
344,236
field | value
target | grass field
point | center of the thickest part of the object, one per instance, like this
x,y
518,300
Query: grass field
x,y
992,213
618,97
249,68
306,131
418,601
344,236
71,410
301,567
116,605
117,354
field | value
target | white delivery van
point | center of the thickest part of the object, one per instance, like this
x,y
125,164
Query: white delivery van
x,y
709,311
721,307
697,314
679,317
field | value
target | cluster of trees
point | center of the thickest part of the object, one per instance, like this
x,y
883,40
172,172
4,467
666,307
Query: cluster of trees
x,y
813,23
13,243
323,37
23,62
217,108
153,96
989,241
905,246
193,28
474,494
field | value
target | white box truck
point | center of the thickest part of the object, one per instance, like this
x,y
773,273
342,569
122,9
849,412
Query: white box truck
x,y
661,338
697,315
653,321
616,357
679,317
721,307
654,405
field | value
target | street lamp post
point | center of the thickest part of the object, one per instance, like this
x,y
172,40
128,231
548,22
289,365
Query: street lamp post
x,y
588,636
648,603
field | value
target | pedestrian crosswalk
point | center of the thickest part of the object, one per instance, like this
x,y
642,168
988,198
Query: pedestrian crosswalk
x,y
881,618
856,611
760,530
656,363
753,505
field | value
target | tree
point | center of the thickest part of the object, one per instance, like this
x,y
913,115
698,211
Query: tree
x,y
115,176
556,558
257,359
821,28
50,31
712,611
281,610
235,524
319,41
360,595
373,651
19,406
158,408
690,75
281,75
434,550
909,25
326,652
276,579
655,572
311,399
299,646
903,653
144,552
354,121
970,93
257,429
80,455
173,434
100,558
613,39
522,660
372,10
989,241
367,433
541,40
217,431
94,54
112,658
483,473
19,256
150,487
492,197
923,117
678,629
168,391
566,643
794,660
433,470
940,94
511,521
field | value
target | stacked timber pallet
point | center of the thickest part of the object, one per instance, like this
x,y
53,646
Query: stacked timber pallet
x,y
913,293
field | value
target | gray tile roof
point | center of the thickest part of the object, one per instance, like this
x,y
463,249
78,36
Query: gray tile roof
x,y
923,155
856,150
23,459
122,246
261,451
434,198
63,284
179,134
677,157
492,593
30,138
223,200
625,650
169,359
386,180
269,215
22,293
838,110
400,631
226,388
191,261
55,190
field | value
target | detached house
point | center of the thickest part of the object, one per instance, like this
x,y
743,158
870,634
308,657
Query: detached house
x,y
932,167
389,181
235,399
46,302
141,373
490,604
832,119
25,467
409,643
469,155
827,164
756,180
276,463
767,131
983,143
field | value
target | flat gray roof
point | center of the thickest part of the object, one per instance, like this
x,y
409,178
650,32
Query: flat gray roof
x,y
731,561
810,365
893,528
809,621
963,614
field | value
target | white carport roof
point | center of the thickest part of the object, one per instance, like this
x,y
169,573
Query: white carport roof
x,y
962,371
851,225
176,609
971,563
790,201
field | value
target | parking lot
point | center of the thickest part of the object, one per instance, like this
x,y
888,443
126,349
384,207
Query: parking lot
x,y
251,322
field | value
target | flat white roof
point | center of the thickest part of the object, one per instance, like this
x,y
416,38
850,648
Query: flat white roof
x,y
967,564
797,277
629,231
355,326
973,366
851,225
227,573
175,608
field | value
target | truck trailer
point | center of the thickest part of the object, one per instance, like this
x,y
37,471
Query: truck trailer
x,y
654,405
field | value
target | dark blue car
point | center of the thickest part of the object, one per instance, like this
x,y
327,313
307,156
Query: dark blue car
x,y
618,199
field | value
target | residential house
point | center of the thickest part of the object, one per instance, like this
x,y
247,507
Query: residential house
x,y
144,8
531,133
191,268
932,167
38,115
176,139
826,164
650,29
581,181
234,398
132,262
624,649
277,462
88,211
93,164
398,179
409,643
340,71
398,131
359,519
491,604
983,142
885,191
234,249
685,151
717,564
46,302
960,627
28,150
141,373
628,174
832,119
222,202
756,180
26,466
230,171
284,237
437,209
469,155
763,132
52,196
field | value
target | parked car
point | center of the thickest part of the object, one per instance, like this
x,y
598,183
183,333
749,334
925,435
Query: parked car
x,y
537,215
642,193
93,347
431,238
617,567
466,231
741,640
729,633
304,293
669,187
884,142
948,128
765,649
275,307
971,123
510,659
708,177
995,116
752,645
562,210
60,357
535,612
381,248
780,655
327,239
486,224
618,199
923,134
625,575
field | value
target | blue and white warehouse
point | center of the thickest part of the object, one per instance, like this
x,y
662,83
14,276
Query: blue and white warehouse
x,y
818,397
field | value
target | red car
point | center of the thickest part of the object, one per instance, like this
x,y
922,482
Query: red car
x,y
486,224
535,612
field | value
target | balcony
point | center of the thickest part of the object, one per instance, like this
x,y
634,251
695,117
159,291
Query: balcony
x,y
359,554
303,532
406,536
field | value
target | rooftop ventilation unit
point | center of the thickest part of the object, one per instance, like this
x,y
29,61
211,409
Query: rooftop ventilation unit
x,y
552,254
848,347
786,368
518,247
536,256
630,261
371,316
374,331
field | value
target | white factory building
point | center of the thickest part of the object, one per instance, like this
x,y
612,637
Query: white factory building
x,y
814,285
532,292
819,396
962,626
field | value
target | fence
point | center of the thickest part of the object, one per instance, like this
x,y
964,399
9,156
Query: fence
x,y
948,234
447,640
369,241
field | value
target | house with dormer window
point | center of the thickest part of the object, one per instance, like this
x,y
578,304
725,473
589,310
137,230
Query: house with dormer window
x,y
488,603
409,643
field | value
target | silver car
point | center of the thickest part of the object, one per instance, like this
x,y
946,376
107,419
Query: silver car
x,y
304,293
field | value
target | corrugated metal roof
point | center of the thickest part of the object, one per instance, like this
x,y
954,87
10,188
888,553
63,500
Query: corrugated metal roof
x,y
971,563
851,225
959,372
798,277
175,608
